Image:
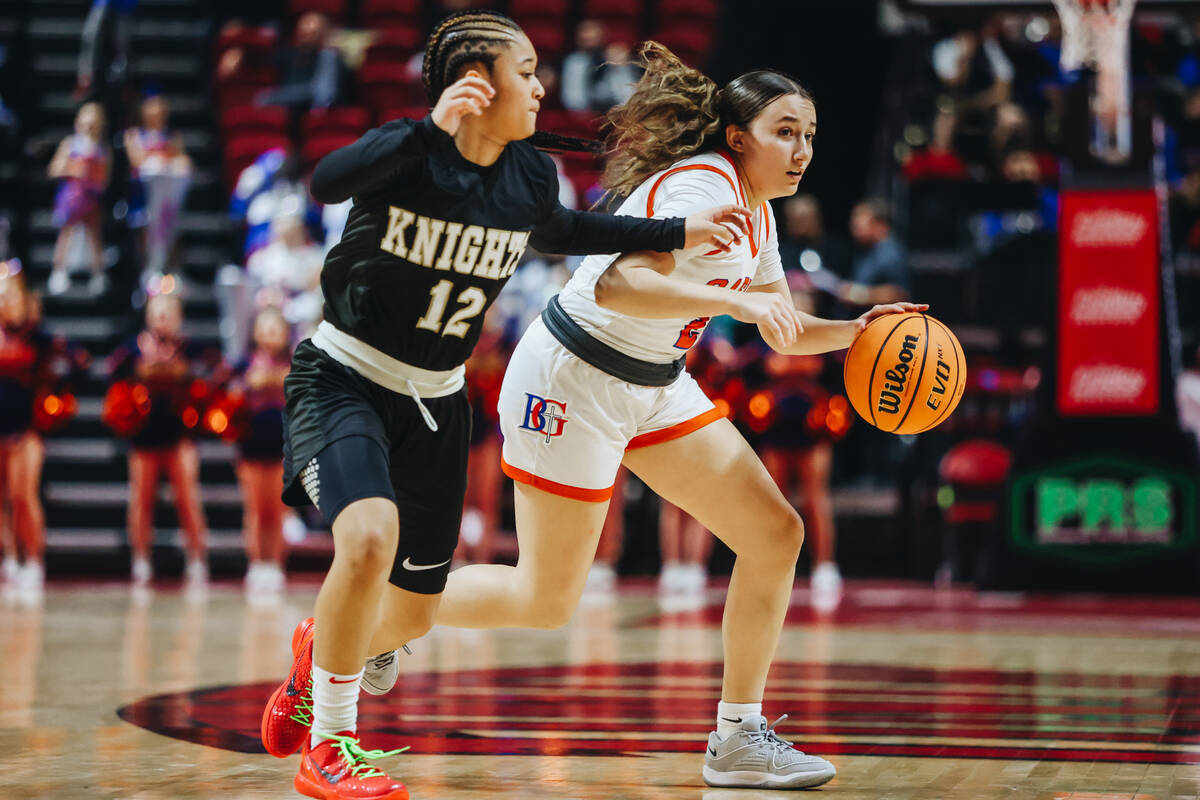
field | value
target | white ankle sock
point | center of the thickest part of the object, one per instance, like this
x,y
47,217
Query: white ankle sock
x,y
729,716
335,702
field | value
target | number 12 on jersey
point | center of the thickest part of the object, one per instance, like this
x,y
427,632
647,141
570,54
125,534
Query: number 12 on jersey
x,y
691,332
472,299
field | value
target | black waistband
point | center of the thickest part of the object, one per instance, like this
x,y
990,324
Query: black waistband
x,y
605,358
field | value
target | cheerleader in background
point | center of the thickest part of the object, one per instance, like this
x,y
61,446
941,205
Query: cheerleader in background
x,y
796,418
258,385
33,368
155,369
83,163
161,171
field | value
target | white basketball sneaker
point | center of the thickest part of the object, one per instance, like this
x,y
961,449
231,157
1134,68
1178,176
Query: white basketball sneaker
x,y
755,758
380,672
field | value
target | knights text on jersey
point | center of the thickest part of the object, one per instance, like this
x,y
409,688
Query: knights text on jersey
x,y
698,182
432,237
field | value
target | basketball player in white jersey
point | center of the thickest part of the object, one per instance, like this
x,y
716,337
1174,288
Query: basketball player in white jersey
x,y
598,381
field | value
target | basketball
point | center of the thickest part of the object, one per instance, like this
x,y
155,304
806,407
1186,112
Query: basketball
x,y
905,373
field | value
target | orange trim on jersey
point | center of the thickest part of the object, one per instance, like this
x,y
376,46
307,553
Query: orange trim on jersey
x,y
740,191
675,431
554,487
756,241
673,170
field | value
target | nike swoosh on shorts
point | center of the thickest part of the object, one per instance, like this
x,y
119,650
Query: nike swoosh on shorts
x,y
407,564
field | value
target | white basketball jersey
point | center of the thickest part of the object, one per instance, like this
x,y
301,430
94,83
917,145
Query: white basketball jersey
x,y
694,184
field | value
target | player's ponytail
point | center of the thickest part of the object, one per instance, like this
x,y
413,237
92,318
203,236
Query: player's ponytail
x,y
676,111
672,114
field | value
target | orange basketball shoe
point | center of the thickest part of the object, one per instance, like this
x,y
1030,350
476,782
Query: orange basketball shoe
x,y
288,715
337,769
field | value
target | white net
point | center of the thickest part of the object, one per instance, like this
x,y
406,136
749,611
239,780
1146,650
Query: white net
x,y
1095,33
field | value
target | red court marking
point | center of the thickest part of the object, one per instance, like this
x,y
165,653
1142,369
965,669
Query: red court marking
x,y
942,713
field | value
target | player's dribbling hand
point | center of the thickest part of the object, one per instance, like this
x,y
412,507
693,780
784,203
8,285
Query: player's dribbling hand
x,y
721,227
471,94
875,312
774,313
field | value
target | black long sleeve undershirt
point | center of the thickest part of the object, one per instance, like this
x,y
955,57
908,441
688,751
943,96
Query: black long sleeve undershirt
x,y
384,152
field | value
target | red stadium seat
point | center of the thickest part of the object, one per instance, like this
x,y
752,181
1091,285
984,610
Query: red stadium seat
x,y
379,14
240,88
242,121
241,152
669,11
323,122
256,40
612,9
625,31
525,11
549,40
691,44
334,9
316,149
397,45
407,112
387,85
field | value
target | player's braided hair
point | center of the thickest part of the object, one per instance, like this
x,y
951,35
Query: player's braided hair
x,y
676,111
479,36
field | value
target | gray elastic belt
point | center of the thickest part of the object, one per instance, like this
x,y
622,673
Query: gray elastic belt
x,y
603,357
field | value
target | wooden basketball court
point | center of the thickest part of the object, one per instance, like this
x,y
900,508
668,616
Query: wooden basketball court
x,y
913,693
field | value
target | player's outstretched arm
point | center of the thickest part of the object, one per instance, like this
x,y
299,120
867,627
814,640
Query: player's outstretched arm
x,y
640,285
586,232
818,335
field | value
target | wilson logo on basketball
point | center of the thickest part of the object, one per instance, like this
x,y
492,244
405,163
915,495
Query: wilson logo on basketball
x,y
1107,305
896,377
1108,227
941,377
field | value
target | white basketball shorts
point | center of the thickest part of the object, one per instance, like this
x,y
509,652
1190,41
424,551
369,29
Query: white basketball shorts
x,y
567,424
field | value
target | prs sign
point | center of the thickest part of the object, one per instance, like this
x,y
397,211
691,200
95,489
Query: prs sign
x,y
1102,510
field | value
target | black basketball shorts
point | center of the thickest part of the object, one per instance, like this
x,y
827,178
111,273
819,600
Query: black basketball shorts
x,y
347,439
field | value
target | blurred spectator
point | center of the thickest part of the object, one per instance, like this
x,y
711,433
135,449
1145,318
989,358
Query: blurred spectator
x,y
161,172
548,76
807,253
973,67
1185,213
270,187
598,74
880,269
1187,394
311,70
290,265
92,44
82,162
938,160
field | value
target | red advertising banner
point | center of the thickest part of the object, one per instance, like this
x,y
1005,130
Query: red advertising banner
x,y
1108,303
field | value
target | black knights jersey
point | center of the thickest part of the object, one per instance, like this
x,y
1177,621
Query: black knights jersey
x,y
432,238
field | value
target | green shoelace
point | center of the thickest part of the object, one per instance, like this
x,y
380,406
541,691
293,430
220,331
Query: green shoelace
x,y
353,754
303,715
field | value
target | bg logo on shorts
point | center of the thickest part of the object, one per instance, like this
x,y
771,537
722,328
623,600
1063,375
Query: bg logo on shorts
x,y
544,416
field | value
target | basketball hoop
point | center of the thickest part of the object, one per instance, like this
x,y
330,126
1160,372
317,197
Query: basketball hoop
x,y
1095,33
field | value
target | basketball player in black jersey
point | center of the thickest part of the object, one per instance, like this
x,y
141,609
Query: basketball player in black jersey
x,y
378,424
